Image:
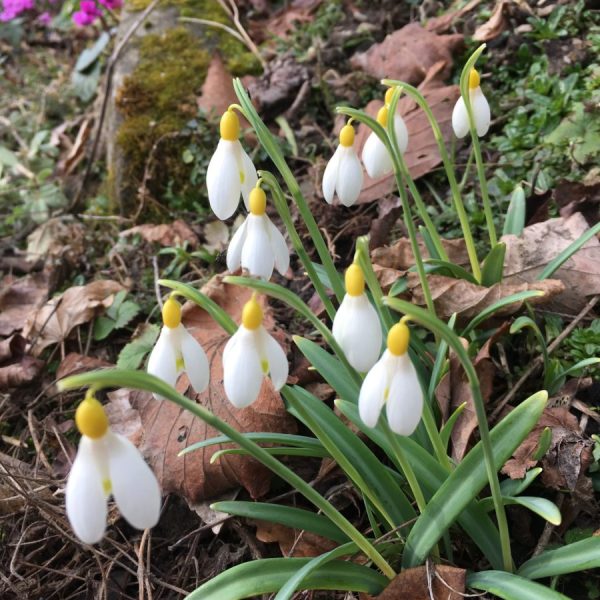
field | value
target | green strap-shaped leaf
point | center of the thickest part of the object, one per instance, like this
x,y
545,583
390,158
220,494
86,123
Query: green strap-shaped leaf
x,y
270,574
540,506
493,265
434,265
511,587
469,478
568,559
514,487
515,215
296,518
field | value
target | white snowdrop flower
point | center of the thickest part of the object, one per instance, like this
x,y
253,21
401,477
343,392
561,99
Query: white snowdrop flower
x,y
250,355
343,174
480,106
107,463
356,326
393,381
176,351
375,156
230,170
258,246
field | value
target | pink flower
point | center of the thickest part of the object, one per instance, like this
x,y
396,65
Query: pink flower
x,y
88,12
45,18
13,8
111,4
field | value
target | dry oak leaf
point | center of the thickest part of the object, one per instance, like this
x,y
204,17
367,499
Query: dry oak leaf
x,y
528,254
173,234
20,373
58,237
53,323
162,429
217,90
292,542
19,298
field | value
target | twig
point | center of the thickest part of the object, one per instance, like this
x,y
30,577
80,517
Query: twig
x,y
548,529
112,62
159,299
537,362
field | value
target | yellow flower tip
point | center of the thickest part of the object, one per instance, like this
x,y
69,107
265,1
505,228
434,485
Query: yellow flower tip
x,y
347,136
355,280
388,95
171,313
382,116
398,339
473,79
230,126
252,315
257,201
90,418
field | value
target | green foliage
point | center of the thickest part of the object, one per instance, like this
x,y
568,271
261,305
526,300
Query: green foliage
x,y
581,344
132,355
120,313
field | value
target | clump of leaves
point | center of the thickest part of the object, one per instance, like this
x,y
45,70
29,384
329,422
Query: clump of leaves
x,y
120,313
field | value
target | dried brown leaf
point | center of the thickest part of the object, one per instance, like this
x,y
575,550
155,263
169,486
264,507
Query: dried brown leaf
x,y
74,363
12,348
162,429
495,25
58,237
20,373
217,91
400,255
442,23
292,542
173,234
19,298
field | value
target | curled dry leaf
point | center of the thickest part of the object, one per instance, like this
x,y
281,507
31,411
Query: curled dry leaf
x,y
399,256
74,363
293,542
167,234
495,25
58,237
20,373
162,430
19,298
217,91
54,322
442,23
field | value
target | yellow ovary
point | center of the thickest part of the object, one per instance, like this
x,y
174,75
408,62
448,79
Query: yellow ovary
x,y
382,116
355,280
398,339
252,315
230,126
257,201
171,313
90,418
347,136
473,79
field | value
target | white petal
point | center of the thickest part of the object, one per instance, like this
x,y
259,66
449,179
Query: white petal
x,y
405,401
350,177
401,133
249,175
195,361
223,179
163,358
279,248
84,495
278,364
330,176
460,119
242,373
134,485
373,391
376,158
357,330
481,111
257,256
234,252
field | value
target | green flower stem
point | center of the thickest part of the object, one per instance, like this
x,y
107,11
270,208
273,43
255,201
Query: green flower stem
x,y
279,292
464,91
456,196
269,144
286,217
423,317
143,381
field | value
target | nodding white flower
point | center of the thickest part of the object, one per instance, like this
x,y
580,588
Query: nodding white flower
x,y
375,157
479,105
258,246
356,326
250,355
176,351
393,381
230,170
107,463
343,174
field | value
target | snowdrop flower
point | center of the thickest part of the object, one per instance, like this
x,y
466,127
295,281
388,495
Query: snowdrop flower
x,y
230,170
343,174
257,246
107,463
356,326
249,356
479,105
176,350
393,381
375,156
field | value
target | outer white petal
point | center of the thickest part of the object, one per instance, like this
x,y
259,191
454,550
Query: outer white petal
x,y
460,119
376,158
350,177
234,252
357,330
134,485
481,111
249,175
223,179
331,175
372,392
84,495
401,133
163,358
257,255
279,248
242,373
194,358
278,364
405,401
